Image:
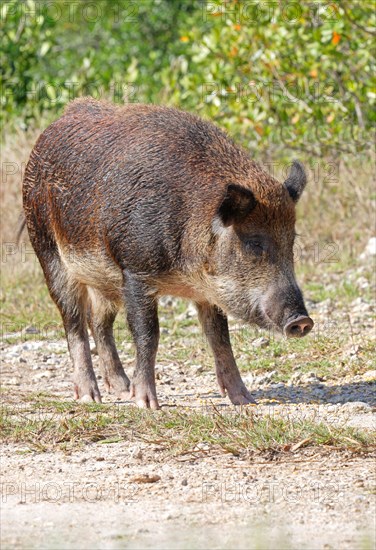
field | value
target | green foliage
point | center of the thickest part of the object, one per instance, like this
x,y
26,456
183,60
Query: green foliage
x,y
297,75
25,62
293,73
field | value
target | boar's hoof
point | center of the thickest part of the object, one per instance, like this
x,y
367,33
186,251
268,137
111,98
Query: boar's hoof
x,y
236,391
87,395
118,384
144,396
243,398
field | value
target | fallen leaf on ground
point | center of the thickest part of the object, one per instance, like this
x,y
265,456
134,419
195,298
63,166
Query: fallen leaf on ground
x,y
300,443
146,478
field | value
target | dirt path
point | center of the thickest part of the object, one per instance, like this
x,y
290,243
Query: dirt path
x,y
91,499
99,497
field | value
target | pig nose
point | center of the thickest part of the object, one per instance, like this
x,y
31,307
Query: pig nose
x,y
298,327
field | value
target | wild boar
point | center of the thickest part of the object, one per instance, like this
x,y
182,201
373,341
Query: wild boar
x,y
125,204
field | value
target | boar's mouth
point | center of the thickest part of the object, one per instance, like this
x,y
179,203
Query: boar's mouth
x,y
259,318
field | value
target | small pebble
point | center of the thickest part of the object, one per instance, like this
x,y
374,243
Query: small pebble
x,y
356,407
261,342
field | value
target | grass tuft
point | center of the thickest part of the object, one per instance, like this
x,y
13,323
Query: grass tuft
x,y
44,424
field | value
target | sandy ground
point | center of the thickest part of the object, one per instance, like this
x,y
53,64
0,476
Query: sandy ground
x,y
91,500
97,497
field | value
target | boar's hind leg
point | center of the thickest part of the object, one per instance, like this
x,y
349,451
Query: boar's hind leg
x,y
142,316
215,326
101,317
71,298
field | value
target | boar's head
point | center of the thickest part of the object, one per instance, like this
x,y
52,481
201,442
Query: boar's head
x,y
253,253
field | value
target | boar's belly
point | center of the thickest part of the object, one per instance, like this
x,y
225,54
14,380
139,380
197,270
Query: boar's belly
x,y
94,269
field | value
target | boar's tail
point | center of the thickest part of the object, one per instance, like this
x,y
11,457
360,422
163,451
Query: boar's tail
x,y
20,228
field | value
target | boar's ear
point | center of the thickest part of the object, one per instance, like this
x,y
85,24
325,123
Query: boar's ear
x,y
296,181
236,205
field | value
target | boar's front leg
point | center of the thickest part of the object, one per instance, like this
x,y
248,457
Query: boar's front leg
x,y
215,326
142,316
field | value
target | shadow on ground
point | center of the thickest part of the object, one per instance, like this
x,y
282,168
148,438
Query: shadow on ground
x,y
313,393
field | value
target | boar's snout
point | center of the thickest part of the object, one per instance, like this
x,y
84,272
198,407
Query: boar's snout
x,y
298,327
284,306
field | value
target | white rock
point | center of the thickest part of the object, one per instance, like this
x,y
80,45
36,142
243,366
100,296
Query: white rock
x,y
189,313
353,407
295,378
265,378
360,306
13,382
167,301
325,306
362,283
369,375
309,378
248,379
86,399
42,375
197,369
261,342
136,452
370,249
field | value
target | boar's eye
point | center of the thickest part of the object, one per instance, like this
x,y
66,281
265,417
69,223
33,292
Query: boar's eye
x,y
255,246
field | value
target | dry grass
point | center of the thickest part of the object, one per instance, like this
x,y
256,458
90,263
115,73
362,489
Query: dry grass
x,y
15,154
44,424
